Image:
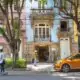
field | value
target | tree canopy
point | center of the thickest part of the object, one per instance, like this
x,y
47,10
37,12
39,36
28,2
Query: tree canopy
x,y
69,9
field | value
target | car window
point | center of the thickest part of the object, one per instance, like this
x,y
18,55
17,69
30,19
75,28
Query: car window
x,y
77,56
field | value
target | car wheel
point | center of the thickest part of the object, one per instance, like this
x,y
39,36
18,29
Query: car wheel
x,y
65,68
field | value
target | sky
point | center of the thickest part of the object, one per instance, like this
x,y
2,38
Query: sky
x,y
29,31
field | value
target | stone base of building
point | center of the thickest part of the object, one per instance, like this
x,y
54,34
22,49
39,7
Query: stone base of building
x,y
45,52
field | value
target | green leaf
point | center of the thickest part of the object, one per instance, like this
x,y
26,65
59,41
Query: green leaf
x,y
2,31
16,24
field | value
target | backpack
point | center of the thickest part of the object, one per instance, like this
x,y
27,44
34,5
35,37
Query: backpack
x,y
3,62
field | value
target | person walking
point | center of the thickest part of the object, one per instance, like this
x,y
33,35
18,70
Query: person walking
x,y
2,61
35,62
35,59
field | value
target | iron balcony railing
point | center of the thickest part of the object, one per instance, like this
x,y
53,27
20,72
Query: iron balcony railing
x,y
42,39
64,29
42,11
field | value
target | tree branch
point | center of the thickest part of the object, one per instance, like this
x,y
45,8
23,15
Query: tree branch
x,y
22,5
12,19
72,2
2,9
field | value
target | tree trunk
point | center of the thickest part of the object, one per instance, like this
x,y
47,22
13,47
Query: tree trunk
x,y
13,61
15,50
15,58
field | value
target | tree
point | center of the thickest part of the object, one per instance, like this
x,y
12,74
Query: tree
x,y
11,32
69,9
42,3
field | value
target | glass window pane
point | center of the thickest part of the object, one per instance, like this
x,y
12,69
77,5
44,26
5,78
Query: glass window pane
x,y
40,32
43,32
47,32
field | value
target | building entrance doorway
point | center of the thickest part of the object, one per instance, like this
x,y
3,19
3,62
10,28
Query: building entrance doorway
x,y
43,53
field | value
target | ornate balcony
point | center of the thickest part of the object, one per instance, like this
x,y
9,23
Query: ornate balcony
x,y
41,39
64,33
42,15
36,12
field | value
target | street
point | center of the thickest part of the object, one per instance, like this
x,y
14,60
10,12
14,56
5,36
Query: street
x,y
25,75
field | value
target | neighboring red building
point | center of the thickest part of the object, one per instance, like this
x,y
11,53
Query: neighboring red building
x,y
3,42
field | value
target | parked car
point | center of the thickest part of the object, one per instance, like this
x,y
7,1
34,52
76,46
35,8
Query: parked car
x,y
67,64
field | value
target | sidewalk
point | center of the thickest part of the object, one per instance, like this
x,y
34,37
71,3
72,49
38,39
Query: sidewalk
x,y
40,67
18,73
24,73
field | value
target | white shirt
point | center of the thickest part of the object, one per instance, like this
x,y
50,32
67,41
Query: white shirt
x,y
1,57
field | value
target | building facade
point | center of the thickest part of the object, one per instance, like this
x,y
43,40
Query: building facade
x,y
42,21
65,36
41,25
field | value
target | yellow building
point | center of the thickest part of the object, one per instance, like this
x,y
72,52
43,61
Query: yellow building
x,y
75,39
75,32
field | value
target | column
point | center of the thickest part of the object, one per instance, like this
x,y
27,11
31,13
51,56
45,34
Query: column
x,y
34,33
38,32
49,34
45,32
41,33
50,56
20,51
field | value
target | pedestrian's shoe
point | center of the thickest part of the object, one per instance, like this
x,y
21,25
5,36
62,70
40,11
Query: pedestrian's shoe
x,y
0,73
4,73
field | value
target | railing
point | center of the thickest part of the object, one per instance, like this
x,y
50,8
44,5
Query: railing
x,y
41,39
64,29
66,32
42,11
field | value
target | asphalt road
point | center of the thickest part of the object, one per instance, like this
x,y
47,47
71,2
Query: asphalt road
x,y
21,75
30,77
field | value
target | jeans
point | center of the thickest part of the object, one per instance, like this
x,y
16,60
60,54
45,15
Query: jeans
x,y
2,67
